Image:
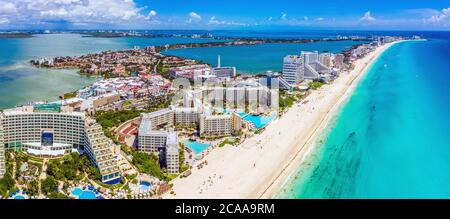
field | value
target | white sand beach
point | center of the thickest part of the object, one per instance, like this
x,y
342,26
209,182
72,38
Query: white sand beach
x,y
258,167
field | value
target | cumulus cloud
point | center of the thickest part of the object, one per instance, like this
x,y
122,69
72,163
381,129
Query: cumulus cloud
x,y
441,16
4,21
367,17
194,17
73,11
7,8
151,15
214,21
283,16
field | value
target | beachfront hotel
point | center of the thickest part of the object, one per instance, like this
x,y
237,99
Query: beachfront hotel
x,y
52,130
2,154
293,71
98,148
187,115
152,139
172,154
43,129
310,65
219,125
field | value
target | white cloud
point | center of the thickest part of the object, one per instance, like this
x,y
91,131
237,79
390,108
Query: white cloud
x,y
441,16
214,21
4,21
194,17
306,18
73,11
7,8
319,19
270,18
151,15
283,16
367,17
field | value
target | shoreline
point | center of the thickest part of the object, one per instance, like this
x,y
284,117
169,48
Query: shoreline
x,y
262,164
285,175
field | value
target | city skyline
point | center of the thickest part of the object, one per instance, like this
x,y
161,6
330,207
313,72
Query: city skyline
x,y
196,14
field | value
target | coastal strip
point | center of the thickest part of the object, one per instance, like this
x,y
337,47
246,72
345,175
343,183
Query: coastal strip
x,y
361,68
258,167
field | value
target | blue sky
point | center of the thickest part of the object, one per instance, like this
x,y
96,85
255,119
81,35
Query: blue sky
x,y
225,14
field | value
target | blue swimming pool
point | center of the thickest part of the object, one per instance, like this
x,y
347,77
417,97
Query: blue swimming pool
x,y
259,121
83,194
19,197
196,146
145,186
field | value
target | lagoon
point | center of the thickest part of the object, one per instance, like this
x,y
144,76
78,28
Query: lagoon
x,y
20,82
253,59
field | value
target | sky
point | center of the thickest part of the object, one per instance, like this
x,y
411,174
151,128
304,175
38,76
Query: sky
x,y
226,14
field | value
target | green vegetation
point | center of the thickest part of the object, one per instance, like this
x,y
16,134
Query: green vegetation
x,y
315,85
159,102
148,163
72,167
57,195
126,103
49,185
286,100
70,95
33,187
228,141
7,184
183,166
111,119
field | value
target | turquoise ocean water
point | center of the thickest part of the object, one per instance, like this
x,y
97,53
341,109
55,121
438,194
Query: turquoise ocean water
x,y
392,138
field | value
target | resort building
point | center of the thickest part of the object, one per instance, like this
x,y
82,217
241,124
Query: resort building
x,y
223,72
293,71
172,155
220,125
151,140
52,130
99,149
159,141
43,129
274,81
326,59
187,115
150,137
309,65
190,72
338,60
160,118
2,154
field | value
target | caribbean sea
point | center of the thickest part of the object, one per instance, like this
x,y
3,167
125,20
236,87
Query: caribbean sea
x,y
392,137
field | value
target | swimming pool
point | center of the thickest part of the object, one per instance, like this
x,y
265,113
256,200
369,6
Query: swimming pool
x,y
145,186
19,197
196,146
83,194
258,121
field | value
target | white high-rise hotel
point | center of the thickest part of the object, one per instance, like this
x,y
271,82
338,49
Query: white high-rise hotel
x,y
50,130
2,154
293,71
308,65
